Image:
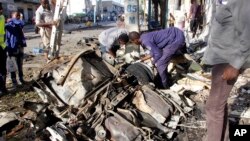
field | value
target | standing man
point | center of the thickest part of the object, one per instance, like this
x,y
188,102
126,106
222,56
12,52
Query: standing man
x,y
192,17
16,42
44,20
163,45
3,56
228,52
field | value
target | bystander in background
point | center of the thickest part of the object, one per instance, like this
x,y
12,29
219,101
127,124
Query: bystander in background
x,y
15,42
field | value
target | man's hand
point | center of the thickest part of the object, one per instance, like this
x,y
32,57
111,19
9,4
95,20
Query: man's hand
x,y
230,73
56,23
145,58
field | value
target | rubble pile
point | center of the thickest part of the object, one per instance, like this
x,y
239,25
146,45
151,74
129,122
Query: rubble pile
x,y
88,42
84,98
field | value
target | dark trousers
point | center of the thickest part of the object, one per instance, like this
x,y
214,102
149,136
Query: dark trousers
x,y
193,26
3,70
216,106
19,62
167,53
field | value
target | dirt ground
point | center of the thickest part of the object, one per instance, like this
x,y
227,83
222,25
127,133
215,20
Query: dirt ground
x,y
239,100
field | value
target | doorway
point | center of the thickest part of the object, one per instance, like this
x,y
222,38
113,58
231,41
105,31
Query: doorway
x,y
30,15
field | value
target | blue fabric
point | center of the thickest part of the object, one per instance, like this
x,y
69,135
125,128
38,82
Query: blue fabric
x,y
163,45
158,40
14,35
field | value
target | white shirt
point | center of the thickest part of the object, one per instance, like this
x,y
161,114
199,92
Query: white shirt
x,y
108,37
43,15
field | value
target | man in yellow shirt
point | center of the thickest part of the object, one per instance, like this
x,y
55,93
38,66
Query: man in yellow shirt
x,y
3,56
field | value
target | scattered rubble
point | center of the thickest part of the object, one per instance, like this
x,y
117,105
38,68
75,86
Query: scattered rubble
x,y
85,98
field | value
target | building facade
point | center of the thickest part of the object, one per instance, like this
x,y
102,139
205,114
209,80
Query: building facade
x,y
8,6
88,6
27,8
109,10
106,10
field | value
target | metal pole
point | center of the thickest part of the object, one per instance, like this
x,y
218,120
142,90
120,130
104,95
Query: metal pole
x,y
144,12
138,14
149,13
165,16
100,10
95,9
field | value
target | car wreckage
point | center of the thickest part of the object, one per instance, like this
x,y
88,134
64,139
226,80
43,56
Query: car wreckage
x,y
85,98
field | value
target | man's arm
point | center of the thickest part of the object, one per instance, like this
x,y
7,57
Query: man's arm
x,y
242,22
155,52
45,24
50,24
240,10
145,58
40,24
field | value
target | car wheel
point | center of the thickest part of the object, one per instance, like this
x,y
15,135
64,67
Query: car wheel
x,y
141,72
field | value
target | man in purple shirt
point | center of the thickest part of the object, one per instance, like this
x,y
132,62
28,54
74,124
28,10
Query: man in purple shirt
x,y
163,45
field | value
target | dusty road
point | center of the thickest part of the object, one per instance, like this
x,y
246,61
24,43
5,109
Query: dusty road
x,y
69,40
69,43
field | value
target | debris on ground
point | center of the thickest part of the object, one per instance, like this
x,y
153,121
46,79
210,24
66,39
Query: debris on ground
x,y
88,99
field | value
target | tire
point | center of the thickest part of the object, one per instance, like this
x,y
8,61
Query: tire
x,y
141,72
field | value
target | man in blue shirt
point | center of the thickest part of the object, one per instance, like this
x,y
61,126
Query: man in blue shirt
x,y
15,42
163,45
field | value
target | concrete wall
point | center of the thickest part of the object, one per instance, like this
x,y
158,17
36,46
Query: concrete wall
x,y
8,6
27,9
112,6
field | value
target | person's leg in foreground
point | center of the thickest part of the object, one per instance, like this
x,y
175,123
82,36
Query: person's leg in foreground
x,y
216,105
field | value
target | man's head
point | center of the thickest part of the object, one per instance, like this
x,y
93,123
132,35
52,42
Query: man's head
x,y
16,15
135,37
123,39
45,4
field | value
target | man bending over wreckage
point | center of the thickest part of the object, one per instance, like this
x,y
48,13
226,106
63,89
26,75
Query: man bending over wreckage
x,y
111,40
163,45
